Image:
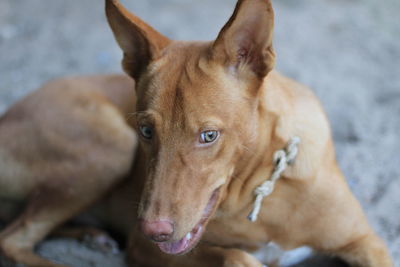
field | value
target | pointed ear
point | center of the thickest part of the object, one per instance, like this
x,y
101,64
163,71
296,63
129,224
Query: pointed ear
x,y
245,42
139,41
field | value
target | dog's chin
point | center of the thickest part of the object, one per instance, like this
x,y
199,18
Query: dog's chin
x,y
190,240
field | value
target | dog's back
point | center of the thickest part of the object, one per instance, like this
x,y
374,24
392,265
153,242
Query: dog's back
x,y
63,129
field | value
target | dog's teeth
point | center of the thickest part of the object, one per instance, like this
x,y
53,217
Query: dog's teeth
x,y
188,236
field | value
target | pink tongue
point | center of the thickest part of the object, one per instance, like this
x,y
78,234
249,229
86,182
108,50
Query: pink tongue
x,y
173,247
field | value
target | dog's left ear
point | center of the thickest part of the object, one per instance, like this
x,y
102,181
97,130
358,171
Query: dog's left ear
x,y
138,40
245,42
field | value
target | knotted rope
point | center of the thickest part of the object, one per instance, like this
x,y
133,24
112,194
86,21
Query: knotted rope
x,y
282,158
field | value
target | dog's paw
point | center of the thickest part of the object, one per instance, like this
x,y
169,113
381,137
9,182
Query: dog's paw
x,y
240,258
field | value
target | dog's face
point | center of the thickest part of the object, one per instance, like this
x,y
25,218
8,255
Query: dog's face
x,y
196,112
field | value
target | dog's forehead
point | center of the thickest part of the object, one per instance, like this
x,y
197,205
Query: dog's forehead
x,y
183,84
179,63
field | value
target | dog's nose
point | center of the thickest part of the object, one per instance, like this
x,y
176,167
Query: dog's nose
x,y
158,231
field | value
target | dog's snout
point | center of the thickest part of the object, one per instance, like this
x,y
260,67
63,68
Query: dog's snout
x,y
158,231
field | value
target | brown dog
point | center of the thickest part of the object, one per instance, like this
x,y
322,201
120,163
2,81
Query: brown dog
x,y
210,116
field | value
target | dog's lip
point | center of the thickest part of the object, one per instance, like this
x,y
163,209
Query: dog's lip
x,y
191,239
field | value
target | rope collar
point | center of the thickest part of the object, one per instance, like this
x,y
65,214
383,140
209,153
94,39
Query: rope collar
x,y
282,158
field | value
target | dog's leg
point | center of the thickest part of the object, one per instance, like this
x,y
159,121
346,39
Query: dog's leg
x,y
47,209
343,229
41,215
367,251
235,257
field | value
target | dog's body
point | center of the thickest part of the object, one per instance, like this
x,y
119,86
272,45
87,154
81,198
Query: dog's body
x,y
210,117
61,149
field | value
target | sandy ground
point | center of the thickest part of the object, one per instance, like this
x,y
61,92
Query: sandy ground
x,y
346,50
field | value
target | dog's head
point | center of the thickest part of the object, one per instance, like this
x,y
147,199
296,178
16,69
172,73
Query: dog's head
x,y
197,110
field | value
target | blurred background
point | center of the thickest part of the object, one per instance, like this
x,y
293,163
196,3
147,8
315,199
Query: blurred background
x,y
347,51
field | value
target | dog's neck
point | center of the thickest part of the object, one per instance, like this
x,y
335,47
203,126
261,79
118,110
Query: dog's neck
x,y
254,164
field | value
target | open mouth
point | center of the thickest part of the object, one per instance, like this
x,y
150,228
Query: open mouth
x,y
193,237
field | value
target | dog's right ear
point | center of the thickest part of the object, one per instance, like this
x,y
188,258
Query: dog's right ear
x,y
139,41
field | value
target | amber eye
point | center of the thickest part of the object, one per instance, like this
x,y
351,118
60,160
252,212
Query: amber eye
x,y
208,137
146,131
